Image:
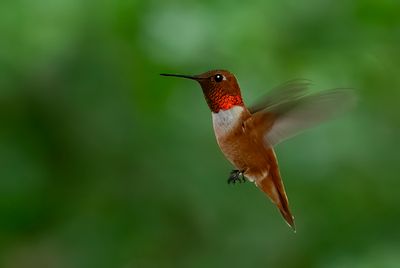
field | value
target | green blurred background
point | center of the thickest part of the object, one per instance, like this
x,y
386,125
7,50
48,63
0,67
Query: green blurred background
x,y
103,163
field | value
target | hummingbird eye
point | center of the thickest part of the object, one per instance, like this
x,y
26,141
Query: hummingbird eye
x,y
218,77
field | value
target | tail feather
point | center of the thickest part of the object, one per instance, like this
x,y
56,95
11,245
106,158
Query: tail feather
x,y
273,186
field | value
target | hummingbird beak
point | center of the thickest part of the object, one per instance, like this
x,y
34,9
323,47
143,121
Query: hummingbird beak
x,y
193,77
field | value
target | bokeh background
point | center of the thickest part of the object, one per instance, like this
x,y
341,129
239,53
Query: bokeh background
x,y
103,163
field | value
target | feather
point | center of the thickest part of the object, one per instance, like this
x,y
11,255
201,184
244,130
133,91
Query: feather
x,y
288,91
291,110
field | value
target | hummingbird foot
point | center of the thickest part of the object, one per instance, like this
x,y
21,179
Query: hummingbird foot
x,y
236,175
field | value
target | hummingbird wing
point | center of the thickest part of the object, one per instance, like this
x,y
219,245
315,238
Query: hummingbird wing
x,y
290,90
289,113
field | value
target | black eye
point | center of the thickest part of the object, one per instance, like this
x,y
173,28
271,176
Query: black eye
x,y
218,77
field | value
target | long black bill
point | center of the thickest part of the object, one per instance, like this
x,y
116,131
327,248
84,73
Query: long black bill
x,y
193,77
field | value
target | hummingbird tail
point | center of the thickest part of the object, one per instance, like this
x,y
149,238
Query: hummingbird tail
x,y
272,185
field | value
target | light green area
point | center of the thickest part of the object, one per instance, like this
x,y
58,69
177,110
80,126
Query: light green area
x,y
104,163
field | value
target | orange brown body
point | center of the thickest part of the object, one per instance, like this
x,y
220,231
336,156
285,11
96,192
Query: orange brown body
x,y
239,141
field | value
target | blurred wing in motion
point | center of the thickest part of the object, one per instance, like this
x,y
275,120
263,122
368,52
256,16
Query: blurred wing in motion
x,y
288,91
290,111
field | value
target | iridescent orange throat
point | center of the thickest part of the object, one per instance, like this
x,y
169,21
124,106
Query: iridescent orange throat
x,y
218,101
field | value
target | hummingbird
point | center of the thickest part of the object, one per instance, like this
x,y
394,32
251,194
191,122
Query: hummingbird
x,y
247,135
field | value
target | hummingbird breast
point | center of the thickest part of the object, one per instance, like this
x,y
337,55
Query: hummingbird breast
x,y
241,149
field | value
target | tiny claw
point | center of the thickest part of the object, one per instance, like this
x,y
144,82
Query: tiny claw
x,y
236,175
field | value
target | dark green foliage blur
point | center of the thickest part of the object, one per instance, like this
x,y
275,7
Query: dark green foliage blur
x,y
104,163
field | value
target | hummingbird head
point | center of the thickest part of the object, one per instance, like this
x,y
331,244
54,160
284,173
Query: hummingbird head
x,y
220,89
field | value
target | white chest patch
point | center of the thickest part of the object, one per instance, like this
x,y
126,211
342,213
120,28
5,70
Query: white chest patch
x,y
224,121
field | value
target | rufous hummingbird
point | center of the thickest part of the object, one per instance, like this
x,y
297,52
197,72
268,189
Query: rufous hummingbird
x,y
247,135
